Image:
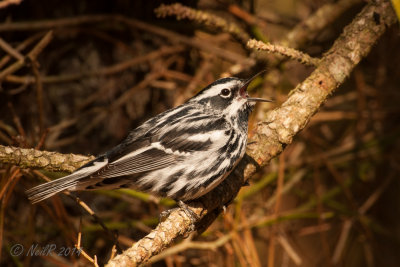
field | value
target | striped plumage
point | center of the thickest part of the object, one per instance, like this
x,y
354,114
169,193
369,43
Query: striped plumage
x,y
181,153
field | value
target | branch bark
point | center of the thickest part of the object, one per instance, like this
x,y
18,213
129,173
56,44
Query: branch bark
x,y
270,138
36,159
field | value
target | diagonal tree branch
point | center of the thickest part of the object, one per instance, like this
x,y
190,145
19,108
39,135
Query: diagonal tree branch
x,y
270,138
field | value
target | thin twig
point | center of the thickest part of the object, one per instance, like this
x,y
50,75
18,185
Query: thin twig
x,y
285,51
289,250
21,47
192,245
78,244
194,42
5,3
39,95
209,20
17,121
171,35
110,70
10,50
273,235
112,235
314,24
32,55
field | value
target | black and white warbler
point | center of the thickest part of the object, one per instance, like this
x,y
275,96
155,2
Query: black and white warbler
x,y
181,153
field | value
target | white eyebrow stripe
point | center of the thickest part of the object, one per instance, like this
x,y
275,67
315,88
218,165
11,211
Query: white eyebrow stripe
x,y
215,89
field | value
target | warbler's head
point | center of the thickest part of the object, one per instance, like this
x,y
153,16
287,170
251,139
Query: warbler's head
x,y
228,96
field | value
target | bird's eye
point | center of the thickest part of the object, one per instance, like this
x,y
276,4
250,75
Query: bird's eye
x,y
225,92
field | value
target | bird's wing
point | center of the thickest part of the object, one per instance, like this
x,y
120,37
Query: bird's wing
x,y
162,145
160,150
146,159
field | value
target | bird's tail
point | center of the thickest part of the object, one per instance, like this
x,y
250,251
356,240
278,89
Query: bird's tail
x,y
69,182
43,191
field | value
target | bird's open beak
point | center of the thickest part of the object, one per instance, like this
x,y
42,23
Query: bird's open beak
x,y
256,99
243,90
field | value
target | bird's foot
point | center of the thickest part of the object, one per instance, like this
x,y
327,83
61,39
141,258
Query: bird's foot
x,y
193,216
189,213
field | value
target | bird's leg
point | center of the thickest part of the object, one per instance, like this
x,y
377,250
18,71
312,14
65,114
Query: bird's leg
x,y
193,216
